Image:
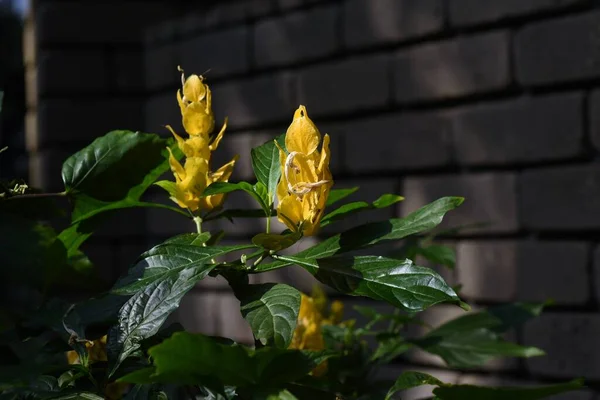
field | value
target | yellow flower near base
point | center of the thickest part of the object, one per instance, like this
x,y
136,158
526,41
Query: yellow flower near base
x,y
305,176
313,314
195,175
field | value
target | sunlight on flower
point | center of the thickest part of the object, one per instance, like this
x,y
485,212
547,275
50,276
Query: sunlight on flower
x,y
305,177
192,178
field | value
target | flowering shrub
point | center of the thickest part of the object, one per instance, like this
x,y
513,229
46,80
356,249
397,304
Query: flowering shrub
x,y
64,337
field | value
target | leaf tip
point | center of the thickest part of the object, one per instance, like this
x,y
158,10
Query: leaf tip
x,y
464,305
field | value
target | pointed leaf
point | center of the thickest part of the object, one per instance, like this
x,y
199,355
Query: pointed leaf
x,y
399,283
187,358
442,255
412,379
276,242
258,192
115,168
144,313
425,218
336,195
353,208
266,166
271,309
167,260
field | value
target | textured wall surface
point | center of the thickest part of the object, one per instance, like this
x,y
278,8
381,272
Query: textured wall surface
x,y
495,100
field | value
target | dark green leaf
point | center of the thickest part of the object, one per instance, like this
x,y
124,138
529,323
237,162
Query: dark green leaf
x,y
190,239
79,396
271,310
267,168
366,235
461,392
167,260
353,208
272,394
399,283
474,348
145,312
258,192
336,195
276,242
114,171
390,348
187,358
442,255
412,379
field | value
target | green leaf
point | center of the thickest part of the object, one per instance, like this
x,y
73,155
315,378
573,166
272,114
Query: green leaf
x,y
353,208
412,379
336,195
196,359
470,349
79,396
144,313
399,283
168,260
390,348
461,392
266,166
271,310
114,171
474,339
273,394
425,218
442,255
258,192
189,239
276,242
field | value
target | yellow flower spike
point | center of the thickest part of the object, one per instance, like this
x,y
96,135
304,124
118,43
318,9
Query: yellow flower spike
x,y
96,352
305,177
221,175
302,135
337,312
215,143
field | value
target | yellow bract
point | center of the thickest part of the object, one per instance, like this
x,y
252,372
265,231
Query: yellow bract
x,y
96,351
195,174
313,314
305,177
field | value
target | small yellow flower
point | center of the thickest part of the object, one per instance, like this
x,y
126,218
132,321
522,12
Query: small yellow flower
x,y
192,178
308,334
96,351
305,177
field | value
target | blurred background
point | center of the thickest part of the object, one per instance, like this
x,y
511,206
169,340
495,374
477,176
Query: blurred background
x,y
492,100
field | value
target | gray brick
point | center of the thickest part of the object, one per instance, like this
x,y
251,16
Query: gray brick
x,y
77,22
561,198
165,223
161,110
62,72
596,273
517,131
560,50
452,68
128,71
553,270
224,52
340,86
161,66
466,12
230,321
570,343
232,144
288,4
300,36
163,32
369,22
397,142
490,200
223,14
53,114
197,312
594,113
255,101
45,169
488,270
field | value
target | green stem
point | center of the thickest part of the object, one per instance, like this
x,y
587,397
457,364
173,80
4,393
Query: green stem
x,y
269,224
198,222
33,195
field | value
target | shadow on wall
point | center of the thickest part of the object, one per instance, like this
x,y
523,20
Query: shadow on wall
x,y
13,163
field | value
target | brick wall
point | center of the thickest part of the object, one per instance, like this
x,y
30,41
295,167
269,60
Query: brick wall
x,y
496,101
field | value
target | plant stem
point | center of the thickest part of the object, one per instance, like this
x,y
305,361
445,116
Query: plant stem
x,y
34,195
198,222
269,224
